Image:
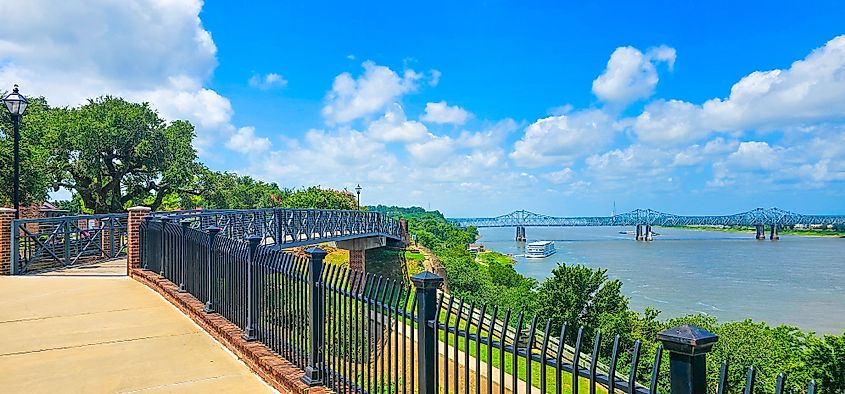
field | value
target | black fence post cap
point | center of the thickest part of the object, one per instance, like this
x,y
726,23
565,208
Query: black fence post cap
x,y
253,239
426,280
316,250
185,222
213,229
687,339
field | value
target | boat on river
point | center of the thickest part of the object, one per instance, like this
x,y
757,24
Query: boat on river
x,y
540,249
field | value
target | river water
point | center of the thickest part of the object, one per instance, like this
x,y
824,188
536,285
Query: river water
x,y
797,280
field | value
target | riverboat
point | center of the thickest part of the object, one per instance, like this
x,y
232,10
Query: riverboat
x,y
539,250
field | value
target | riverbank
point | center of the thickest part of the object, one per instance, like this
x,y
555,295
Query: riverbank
x,y
782,231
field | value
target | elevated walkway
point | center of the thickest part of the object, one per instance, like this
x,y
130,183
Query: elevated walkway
x,y
91,329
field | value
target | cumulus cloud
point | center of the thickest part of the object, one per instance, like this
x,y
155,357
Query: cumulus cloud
x,y
559,177
441,112
353,98
631,75
563,139
245,141
143,50
808,93
395,127
268,81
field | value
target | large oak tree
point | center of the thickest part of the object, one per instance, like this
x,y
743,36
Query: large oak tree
x,y
113,153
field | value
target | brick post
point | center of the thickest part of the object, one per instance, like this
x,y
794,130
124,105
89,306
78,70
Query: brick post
x,y
6,217
357,260
133,233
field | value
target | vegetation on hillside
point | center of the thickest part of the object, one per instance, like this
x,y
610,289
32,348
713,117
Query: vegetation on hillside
x,y
586,296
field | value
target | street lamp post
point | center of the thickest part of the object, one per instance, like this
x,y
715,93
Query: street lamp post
x,y
358,191
16,104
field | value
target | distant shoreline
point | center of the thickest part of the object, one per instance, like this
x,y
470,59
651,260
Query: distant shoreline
x,y
801,233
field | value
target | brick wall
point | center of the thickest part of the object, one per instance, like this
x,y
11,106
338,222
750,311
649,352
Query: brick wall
x,y
133,234
6,217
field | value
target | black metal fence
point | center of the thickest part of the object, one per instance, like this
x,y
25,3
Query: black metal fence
x,y
357,333
53,242
290,227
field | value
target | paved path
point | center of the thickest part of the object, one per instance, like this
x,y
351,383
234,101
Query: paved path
x,y
93,330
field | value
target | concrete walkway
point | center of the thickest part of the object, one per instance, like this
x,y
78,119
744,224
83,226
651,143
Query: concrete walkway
x,y
93,330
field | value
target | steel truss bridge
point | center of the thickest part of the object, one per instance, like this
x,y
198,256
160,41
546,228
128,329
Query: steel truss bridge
x,y
649,217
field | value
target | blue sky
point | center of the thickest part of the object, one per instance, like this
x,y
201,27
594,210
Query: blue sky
x,y
475,108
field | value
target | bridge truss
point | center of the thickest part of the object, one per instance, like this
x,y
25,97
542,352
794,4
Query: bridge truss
x,y
759,216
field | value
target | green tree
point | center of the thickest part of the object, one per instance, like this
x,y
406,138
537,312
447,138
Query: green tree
x,y
316,197
227,190
34,182
581,296
824,359
112,153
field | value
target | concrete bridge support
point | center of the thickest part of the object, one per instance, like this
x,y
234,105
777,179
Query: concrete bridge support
x,y
773,234
761,232
358,250
520,234
639,232
648,236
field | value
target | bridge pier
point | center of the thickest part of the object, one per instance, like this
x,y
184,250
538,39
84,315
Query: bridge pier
x,y
639,232
773,234
648,236
358,250
520,234
761,232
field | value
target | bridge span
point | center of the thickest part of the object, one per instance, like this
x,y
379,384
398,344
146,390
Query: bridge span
x,y
644,219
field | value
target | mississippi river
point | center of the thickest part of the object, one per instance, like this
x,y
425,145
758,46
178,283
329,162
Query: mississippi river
x,y
797,280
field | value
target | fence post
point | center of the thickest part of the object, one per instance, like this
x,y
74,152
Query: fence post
x,y
426,284
164,221
313,371
252,300
688,346
183,257
212,232
66,229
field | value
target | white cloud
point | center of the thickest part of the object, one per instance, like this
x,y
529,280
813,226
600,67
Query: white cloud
x,y
142,50
441,112
435,77
631,75
810,92
670,122
491,137
563,139
431,152
268,81
245,141
559,177
395,127
352,98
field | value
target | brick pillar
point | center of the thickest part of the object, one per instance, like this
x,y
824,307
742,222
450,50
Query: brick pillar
x,y
403,224
6,217
133,233
357,260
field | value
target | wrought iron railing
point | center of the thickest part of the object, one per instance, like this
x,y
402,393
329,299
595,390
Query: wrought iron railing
x,y
290,227
354,332
53,242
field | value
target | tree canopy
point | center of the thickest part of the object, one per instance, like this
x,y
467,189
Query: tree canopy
x,y
112,152
34,180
